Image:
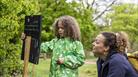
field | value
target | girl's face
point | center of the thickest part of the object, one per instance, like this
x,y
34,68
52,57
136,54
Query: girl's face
x,y
98,45
60,29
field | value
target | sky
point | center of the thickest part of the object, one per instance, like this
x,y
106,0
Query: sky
x,y
101,5
122,1
129,1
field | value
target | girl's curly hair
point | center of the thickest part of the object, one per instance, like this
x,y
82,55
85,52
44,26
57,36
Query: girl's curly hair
x,y
122,41
71,27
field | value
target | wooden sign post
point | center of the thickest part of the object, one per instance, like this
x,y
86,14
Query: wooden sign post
x,y
26,56
33,70
31,44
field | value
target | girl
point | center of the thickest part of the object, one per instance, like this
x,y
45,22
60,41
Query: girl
x,y
67,50
123,46
111,63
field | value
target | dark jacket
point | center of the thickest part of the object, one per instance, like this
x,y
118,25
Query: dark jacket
x,y
116,65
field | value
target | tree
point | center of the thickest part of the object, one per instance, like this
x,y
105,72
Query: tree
x,y
52,9
12,13
125,18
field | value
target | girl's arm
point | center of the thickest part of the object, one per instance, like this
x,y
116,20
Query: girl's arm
x,y
47,46
76,58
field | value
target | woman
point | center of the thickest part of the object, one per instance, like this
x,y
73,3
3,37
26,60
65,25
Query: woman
x,y
110,62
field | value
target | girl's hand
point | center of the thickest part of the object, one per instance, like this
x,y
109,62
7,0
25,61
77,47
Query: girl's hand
x,y
23,36
60,61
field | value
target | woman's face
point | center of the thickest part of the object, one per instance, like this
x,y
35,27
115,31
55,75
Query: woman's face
x,y
98,45
60,29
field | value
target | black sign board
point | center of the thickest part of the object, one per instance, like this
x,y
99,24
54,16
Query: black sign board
x,y
33,28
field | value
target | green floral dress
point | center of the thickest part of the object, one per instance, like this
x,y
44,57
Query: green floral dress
x,y
71,51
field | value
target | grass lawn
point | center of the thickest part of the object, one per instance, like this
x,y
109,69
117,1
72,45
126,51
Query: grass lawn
x,y
42,69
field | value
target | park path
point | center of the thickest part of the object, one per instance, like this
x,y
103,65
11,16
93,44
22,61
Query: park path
x,y
90,62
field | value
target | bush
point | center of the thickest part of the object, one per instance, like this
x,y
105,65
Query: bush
x,y
12,13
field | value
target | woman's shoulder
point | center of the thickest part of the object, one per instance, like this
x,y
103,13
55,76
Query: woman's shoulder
x,y
118,58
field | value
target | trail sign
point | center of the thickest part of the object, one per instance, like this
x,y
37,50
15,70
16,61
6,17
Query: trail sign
x,y
32,28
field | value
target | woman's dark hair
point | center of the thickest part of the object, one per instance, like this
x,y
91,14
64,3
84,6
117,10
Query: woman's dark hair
x,y
71,27
110,40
